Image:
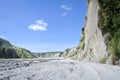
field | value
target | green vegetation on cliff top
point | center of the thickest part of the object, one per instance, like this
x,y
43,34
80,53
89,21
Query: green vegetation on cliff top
x,y
109,22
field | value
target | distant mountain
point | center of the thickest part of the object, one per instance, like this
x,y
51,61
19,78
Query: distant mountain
x,y
7,50
48,54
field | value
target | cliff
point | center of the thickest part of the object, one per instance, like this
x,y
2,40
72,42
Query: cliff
x,y
100,40
7,50
95,48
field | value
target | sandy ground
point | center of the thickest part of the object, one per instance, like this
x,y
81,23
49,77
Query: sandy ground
x,y
56,69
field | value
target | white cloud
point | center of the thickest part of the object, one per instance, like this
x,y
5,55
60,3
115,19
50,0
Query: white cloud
x,y
40,25
66,7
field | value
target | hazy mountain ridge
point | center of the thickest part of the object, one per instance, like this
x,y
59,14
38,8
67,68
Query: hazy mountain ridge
x,y
7,50
47,54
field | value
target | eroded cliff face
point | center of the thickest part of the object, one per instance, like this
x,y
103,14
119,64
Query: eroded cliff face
x,y
100,40
95,48
95,45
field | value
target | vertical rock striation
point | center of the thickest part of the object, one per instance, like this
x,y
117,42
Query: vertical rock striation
x,y
95,46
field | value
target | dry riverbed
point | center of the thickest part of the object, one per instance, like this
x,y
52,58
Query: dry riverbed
x,y
56,69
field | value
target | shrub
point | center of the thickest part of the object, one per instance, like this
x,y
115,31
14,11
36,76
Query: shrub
x,y
82,41
103,60
109,22
115,44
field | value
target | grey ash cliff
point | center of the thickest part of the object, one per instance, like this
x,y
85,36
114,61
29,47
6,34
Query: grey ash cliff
x,y
93,46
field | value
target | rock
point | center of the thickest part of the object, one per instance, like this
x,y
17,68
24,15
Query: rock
x,y
62,69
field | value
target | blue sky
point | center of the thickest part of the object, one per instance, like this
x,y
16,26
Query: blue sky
x,y
42,25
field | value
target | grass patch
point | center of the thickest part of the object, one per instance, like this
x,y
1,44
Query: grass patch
x,y
103,60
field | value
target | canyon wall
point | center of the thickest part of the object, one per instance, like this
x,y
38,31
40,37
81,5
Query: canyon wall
x,y
94,45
